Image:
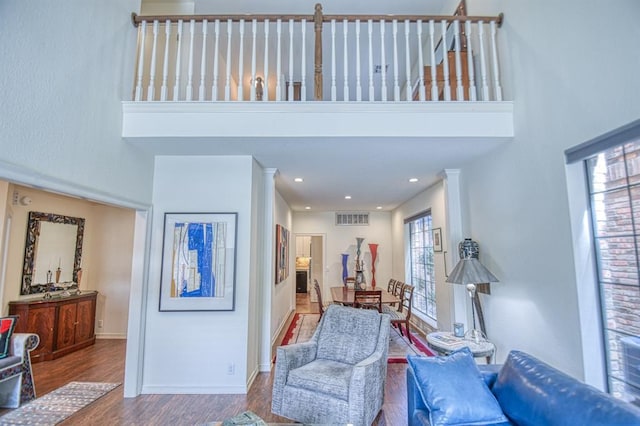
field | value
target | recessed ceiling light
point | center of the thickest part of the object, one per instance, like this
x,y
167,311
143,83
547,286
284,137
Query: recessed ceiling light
x,y
347,197
298,180
379,207
413,180
307,207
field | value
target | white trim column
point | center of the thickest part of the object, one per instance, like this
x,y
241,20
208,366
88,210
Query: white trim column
x,y
134,357
454,234
267,271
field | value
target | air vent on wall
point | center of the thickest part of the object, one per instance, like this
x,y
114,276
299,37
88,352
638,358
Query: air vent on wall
x,y
347,219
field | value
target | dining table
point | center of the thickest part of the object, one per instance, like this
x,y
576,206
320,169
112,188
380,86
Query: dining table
x,y
345,295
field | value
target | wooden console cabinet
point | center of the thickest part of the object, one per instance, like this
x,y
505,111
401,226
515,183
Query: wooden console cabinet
x,y
64,324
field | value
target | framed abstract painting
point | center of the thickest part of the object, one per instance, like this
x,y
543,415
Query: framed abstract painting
x,y
282,253
198,262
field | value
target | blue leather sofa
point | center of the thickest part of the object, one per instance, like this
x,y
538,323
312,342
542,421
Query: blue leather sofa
x,y
528,391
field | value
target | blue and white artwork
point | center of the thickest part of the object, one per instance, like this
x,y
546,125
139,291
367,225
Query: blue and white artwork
x,y
198,261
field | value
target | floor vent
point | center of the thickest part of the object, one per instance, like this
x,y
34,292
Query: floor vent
x,y
350,219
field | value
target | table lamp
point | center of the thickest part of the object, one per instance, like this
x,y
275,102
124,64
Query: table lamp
x,y
470,272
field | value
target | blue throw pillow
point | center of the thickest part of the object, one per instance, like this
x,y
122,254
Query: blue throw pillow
x,y
453,389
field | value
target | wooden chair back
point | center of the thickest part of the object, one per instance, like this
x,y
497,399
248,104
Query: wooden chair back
x,y
406,300
391,285
350,282
316,286
368,299
397,289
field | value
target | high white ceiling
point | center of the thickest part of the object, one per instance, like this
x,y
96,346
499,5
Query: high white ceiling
x,y
375,172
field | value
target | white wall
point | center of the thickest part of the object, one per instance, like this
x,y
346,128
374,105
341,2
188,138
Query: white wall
x,y
106,253
284,293
572,80
342,239
72,64
432,198
190,352
111,256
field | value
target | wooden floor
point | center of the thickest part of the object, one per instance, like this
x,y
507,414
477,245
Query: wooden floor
x,y
104,362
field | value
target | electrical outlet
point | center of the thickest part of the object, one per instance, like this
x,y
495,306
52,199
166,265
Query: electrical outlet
x,y
231,369
100,323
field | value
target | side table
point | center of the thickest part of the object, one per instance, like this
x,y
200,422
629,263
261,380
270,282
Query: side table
x,y
444,342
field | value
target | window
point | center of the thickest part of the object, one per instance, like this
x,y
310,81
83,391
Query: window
x,y
614,191
422,275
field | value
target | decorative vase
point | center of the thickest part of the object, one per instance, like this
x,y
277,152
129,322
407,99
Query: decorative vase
x,y
468,249
345,273
374,253
359,241
58,272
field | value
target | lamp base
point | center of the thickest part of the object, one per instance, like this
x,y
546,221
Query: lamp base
x,y
475,336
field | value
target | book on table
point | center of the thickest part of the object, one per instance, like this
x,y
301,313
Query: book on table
x,y
447,339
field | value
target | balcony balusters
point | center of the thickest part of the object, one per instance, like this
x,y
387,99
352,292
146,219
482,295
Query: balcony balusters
x,y
472,80
483,65
203,62
192,35
383,62
445,61
278,58
432,53
396,86
176,87
358,81
371,88
494,57
252,82
451,53
333,61
345,60
152,74
407,58
421,90
303,62
165,62
216,55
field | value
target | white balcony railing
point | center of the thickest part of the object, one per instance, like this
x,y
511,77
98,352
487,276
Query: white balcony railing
x,y
283,58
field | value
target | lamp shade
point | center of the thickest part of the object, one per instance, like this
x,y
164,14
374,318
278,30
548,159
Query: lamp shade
x,y
471,271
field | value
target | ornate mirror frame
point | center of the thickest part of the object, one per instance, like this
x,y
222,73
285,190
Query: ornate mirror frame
x,y
31,245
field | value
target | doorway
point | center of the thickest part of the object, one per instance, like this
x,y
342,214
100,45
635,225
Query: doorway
x,y
309,267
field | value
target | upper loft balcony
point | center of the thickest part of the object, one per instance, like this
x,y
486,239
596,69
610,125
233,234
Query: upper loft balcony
x,y
317,75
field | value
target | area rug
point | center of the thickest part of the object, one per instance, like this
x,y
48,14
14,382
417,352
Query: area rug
x,y
303,326
57,405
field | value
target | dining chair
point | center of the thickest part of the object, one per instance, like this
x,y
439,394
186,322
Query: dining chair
x,y
350,282
397,290
391,287
321,306
402,315
368,299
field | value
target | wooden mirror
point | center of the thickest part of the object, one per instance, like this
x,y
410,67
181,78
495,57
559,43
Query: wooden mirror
x,y
52,254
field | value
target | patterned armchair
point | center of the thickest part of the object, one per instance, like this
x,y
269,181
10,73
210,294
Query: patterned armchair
x,y
339,375
16,380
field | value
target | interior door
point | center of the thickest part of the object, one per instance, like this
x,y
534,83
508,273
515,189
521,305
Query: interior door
x,y
316,264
